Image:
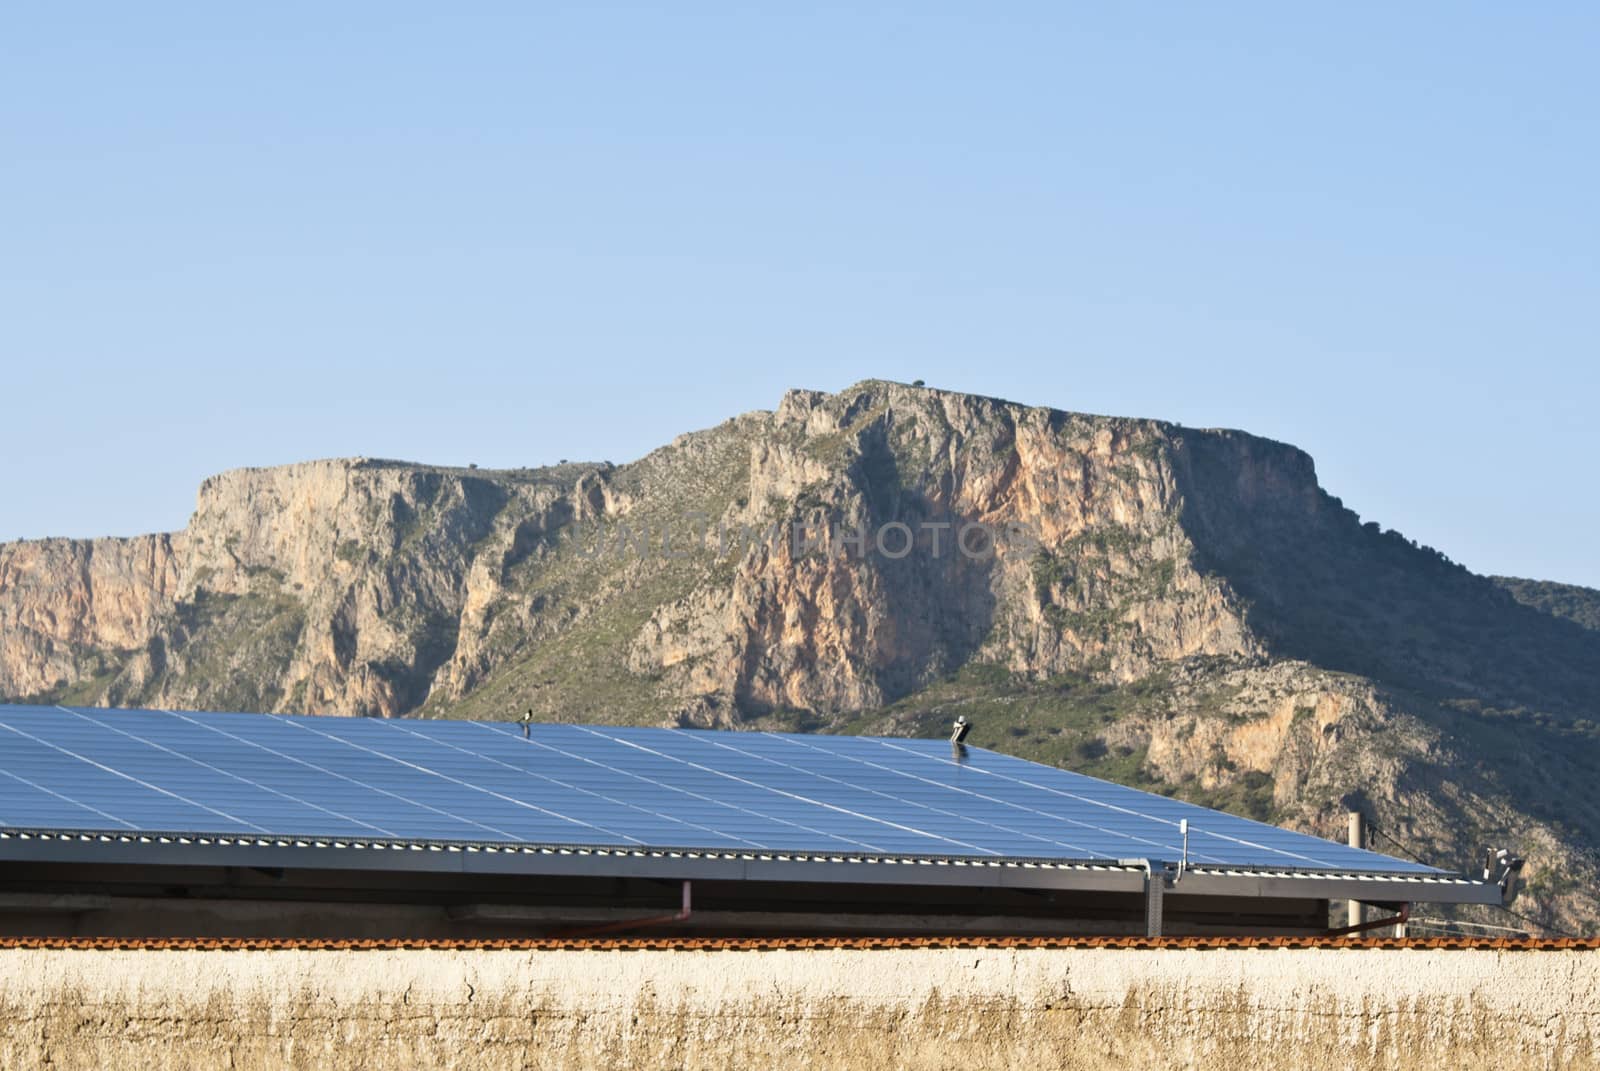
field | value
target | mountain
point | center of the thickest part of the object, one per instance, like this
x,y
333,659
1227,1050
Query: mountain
x,y
1182,609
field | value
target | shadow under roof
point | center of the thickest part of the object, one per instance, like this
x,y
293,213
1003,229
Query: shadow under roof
x,y
252,776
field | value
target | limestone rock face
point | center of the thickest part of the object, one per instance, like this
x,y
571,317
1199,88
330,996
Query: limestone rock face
x,y
1037,541
862,544
67,606
1179,608
327,587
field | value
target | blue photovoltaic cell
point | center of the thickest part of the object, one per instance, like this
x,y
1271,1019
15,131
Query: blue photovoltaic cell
x,y
173,771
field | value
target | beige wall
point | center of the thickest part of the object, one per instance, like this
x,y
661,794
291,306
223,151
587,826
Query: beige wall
x,y
1242,1010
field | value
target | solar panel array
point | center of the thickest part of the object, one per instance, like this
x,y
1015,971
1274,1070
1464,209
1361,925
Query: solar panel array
x,y
171,771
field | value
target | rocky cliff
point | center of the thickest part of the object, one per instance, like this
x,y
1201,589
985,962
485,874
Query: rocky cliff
x,y
1177,608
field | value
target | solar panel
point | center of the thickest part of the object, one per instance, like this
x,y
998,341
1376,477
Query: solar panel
x,y
116,771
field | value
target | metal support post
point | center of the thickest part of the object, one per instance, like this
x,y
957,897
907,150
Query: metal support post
x,y
1354,912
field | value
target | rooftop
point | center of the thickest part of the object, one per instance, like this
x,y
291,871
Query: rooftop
x,y
182,789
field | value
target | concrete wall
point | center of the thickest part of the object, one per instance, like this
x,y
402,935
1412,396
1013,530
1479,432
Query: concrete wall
x,y
878,1010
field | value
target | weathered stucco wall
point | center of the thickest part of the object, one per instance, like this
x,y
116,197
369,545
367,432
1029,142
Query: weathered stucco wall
x,y
913,1009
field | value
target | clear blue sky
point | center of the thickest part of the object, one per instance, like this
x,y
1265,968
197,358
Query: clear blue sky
x,y
239,234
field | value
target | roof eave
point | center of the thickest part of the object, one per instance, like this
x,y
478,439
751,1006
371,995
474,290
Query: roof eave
x,y
316,853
